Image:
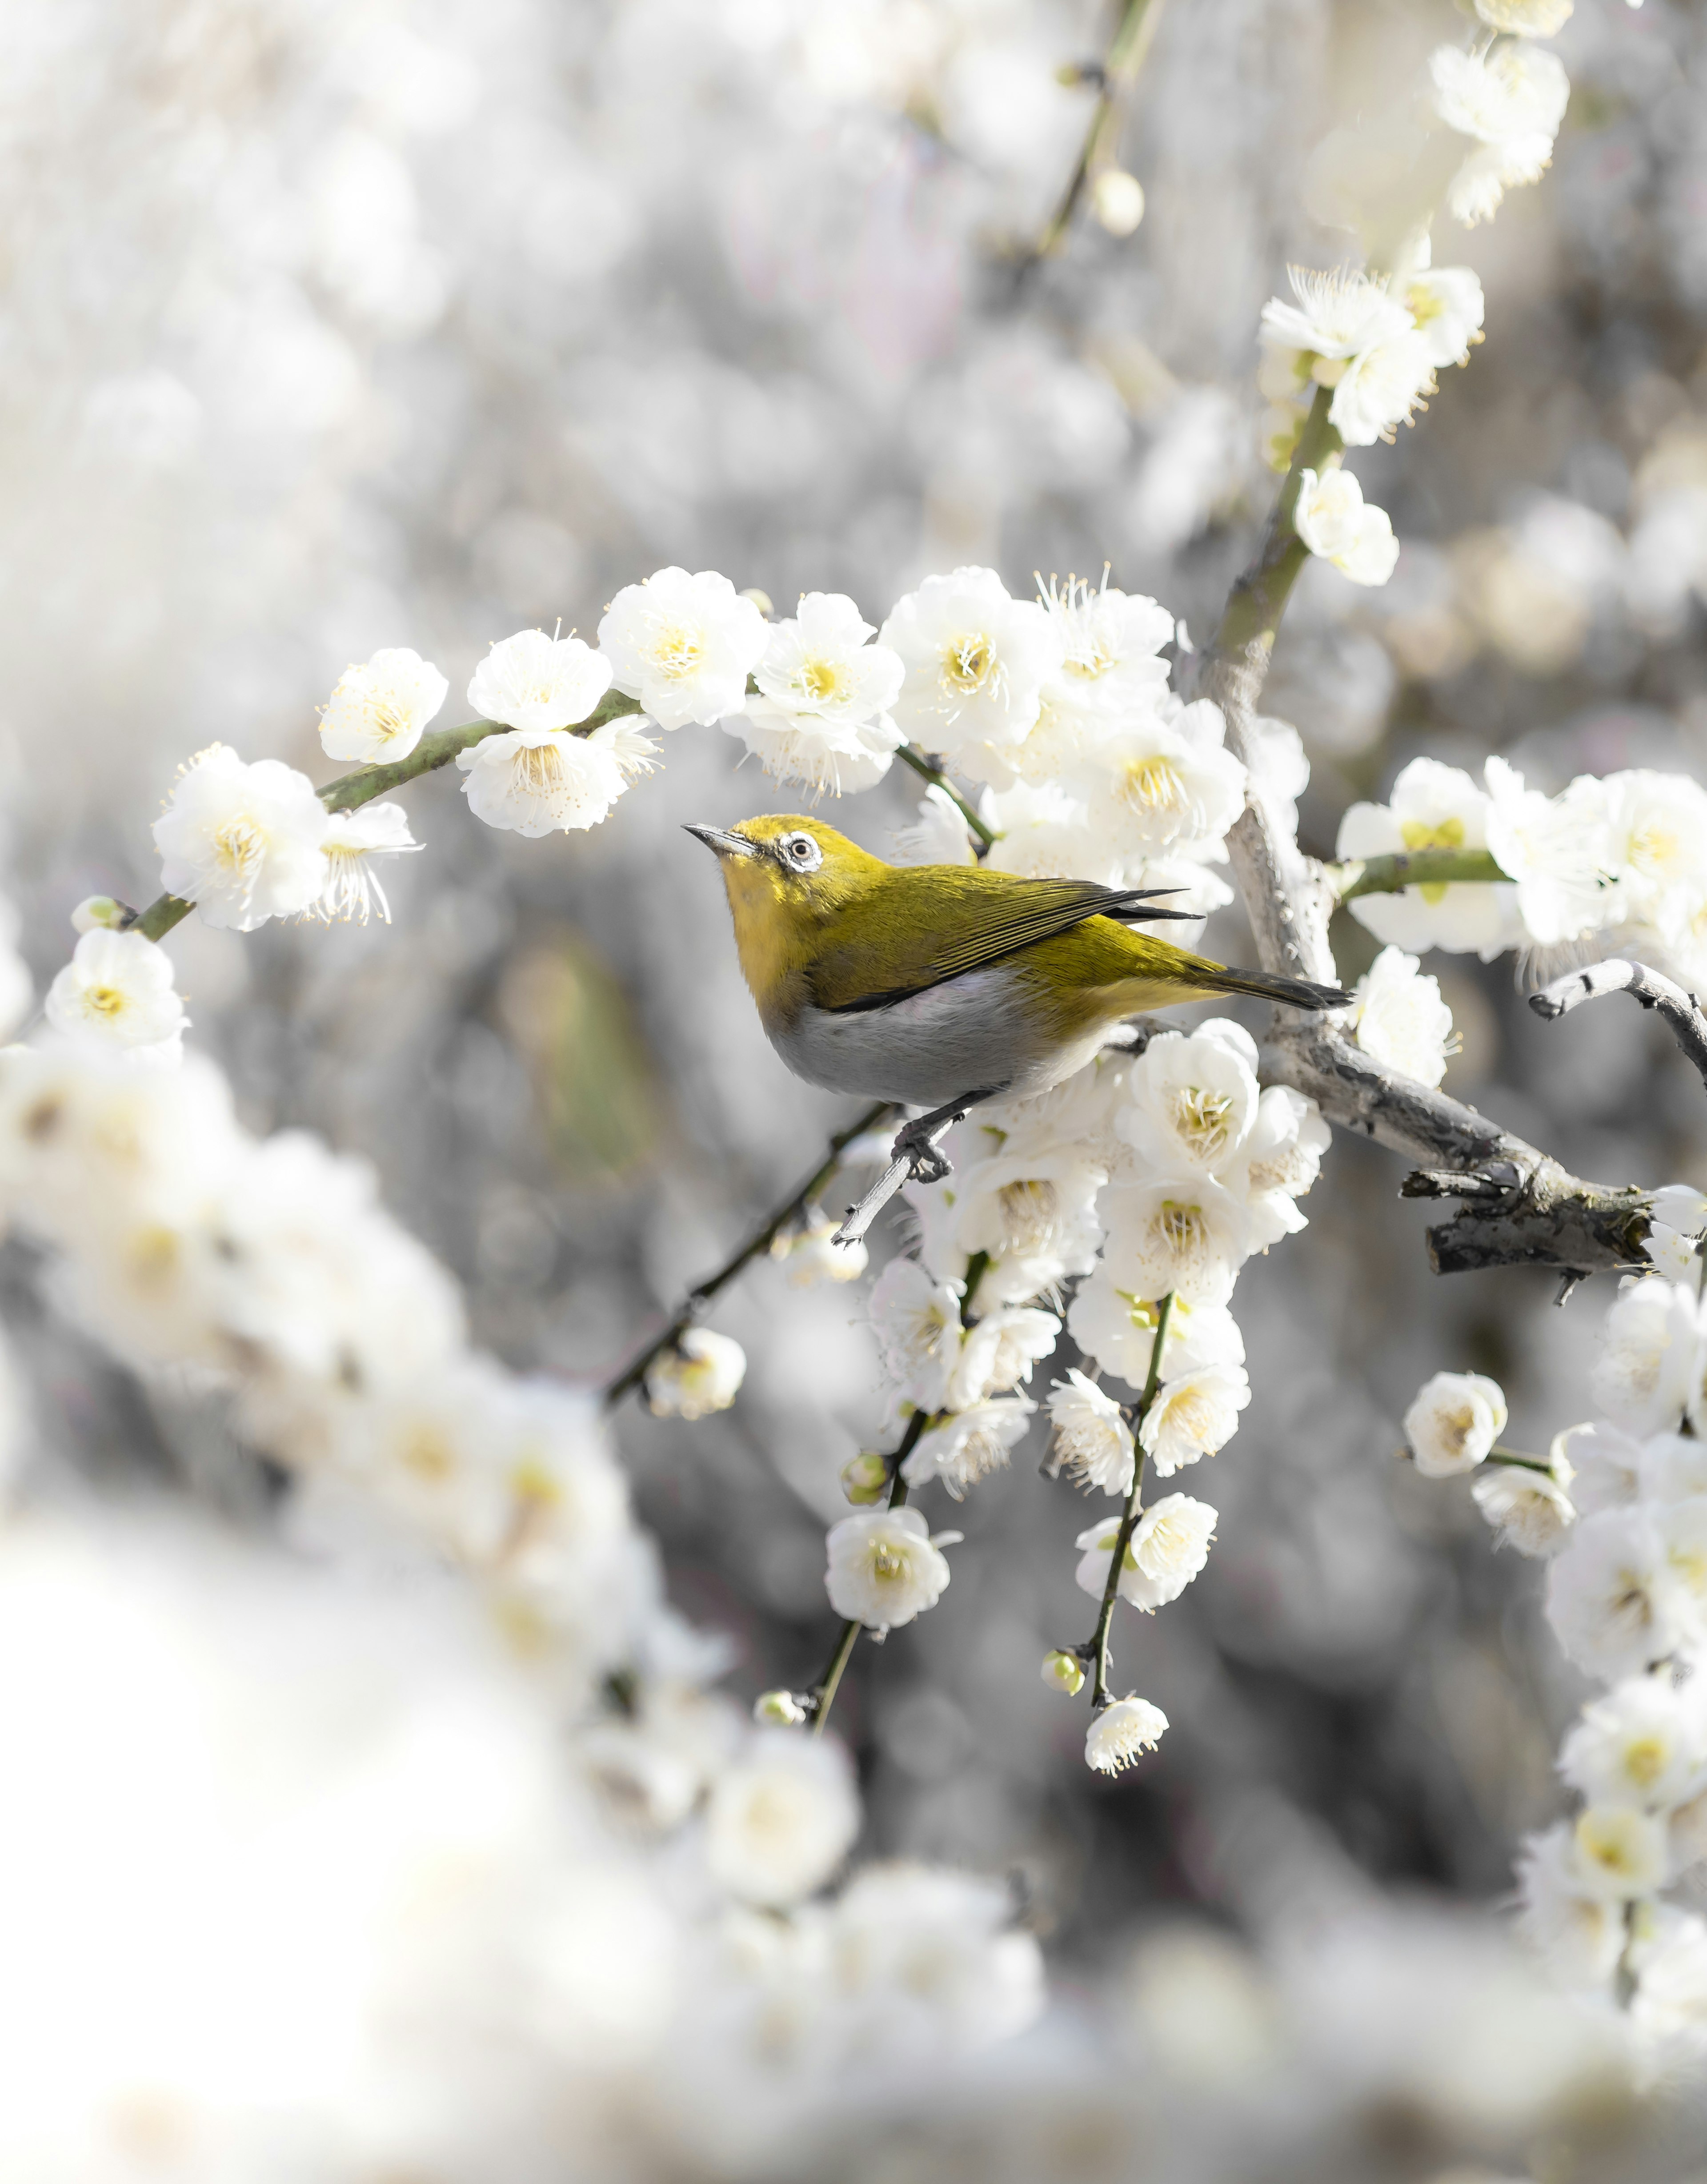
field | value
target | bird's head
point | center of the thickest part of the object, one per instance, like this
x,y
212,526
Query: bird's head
x,y
787,878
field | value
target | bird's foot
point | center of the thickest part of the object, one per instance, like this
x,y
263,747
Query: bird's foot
x,y
915,1156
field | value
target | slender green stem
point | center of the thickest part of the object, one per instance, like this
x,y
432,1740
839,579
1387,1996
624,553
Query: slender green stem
x,y
976,1267
364,782
1519,1462
910,755
761,1239
1259,597
822,1696
1133,32
1100,1694
1405,868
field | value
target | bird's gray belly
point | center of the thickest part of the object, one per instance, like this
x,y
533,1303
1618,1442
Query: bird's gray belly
x,y
970,1034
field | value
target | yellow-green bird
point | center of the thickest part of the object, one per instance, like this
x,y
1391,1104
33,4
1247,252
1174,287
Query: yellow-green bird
x,y
938,986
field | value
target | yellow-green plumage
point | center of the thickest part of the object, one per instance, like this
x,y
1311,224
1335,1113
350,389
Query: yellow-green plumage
x,y
892,980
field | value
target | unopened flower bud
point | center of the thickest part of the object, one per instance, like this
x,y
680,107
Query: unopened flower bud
x,y
100,913
1064,1672
865,1477
1118,200
760,599
700,1375
780,1708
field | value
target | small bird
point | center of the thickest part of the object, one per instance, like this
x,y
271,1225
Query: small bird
x,y
938,986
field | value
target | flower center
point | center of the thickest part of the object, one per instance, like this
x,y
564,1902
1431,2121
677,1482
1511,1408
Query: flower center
x,y
888,1562
1151,785
819,679
1203,1118
386,719
240,846
1644,1760
677,651
427,1454
539,768
1181,1229
103,1001
967,663
1029,1211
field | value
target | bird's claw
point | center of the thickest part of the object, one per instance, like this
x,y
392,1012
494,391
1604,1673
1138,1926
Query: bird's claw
x,y
925,1163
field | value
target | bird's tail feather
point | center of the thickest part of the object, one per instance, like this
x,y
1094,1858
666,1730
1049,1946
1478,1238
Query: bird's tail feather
x,y
1290,993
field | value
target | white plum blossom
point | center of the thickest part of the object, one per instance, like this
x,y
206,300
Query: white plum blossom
x,y
815,751
1432,806
1669,2007
1447,307
241,842
1511,100
1093,1441
1121,1733
1453,1422
1644,1744
916,1320
939,834
1194,1415
1670,1467
376,713
1169,1546
1611,1597
1528,1510
1655,845
1163,781
781,1818
683,645
976,661
1187,1238
999,1352
811,1255
969,1444
1278,1162
821,713
1578,1930
701,1372
117,992
884,1568
1111,642
353,838
1646,1374
1397,1014
927,1958
1118,1330
1030,1207
1674,1234
1375,395
1619,1851
1332,518
1337,313
1192,1099
535,782
533,681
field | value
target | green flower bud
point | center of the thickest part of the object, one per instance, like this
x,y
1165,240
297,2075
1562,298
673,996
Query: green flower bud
x,y
97,912
782,1707
865,1478
1064,1672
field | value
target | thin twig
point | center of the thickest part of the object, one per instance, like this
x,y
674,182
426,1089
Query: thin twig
x,y
926,769
1129,1514
1406,868
1681,1010
822,1695
1128,49
761,1240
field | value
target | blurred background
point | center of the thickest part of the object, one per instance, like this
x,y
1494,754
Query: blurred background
x,y
338,324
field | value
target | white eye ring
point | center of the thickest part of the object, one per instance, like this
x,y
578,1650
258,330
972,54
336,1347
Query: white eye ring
x,y
801,852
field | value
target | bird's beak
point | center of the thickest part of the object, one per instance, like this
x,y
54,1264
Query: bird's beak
x,y
722,841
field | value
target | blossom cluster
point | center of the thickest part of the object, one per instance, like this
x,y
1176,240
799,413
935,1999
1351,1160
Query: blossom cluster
x,y
1143,1184
1618,861
1618,1510
267,1268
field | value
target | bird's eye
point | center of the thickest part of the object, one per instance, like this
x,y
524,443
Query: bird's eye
x,y
801,852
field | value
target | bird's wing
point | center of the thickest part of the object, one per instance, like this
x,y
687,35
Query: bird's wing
x,y
932,923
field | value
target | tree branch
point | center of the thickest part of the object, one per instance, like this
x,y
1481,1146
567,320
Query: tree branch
x,y
1115,79
1520,1207
1647,987
1404,868
364,782
761,1239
